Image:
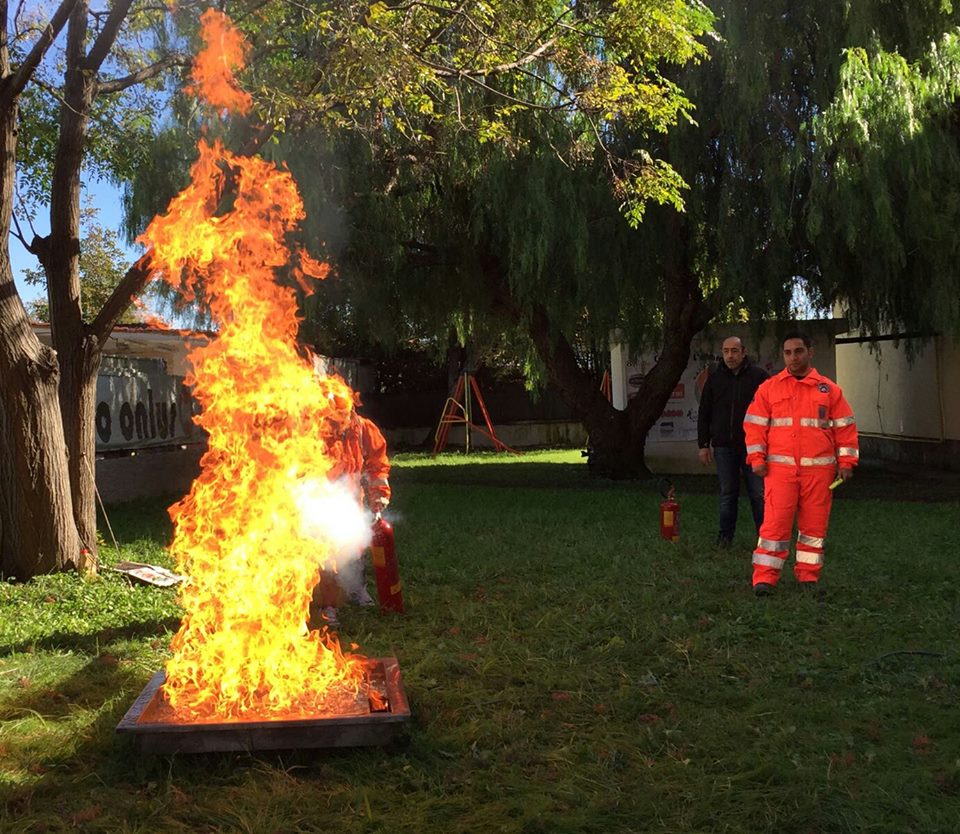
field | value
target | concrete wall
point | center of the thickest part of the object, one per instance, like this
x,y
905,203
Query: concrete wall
x,y
519,435
906,396
148,473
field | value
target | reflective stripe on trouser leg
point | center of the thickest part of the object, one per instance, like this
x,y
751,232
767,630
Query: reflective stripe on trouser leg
x,y
813,516
781,489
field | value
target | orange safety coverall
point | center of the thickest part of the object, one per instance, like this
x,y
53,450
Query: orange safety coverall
x,y
361,454
803,429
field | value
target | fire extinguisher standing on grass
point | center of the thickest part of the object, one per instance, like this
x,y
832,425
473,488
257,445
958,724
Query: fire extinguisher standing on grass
x,y
386,568
669,514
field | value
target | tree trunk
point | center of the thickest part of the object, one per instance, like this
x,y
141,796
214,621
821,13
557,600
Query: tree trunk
x,y
37,531
78,350
78,403
685,313
617,439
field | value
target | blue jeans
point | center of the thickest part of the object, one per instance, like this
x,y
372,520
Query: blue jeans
x,y
731,463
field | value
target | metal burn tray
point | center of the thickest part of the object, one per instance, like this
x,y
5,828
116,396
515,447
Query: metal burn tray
x,y
147,722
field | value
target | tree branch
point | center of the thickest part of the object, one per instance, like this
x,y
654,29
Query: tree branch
x,y
115,85
18,234
132,284
108,35
16,83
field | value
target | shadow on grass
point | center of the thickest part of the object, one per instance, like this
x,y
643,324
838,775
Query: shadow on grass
x,y
541,476
871,481
91,643
57,755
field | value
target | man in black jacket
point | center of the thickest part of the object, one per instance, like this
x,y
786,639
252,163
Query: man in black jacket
x,y
723,403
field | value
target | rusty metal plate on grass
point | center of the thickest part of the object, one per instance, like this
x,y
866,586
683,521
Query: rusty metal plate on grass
x,y
149,722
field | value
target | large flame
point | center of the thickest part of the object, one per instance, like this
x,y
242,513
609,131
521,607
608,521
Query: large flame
x,y
252,533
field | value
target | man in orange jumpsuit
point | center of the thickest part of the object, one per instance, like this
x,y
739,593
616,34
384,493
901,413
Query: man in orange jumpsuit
x,y
360,450
800,435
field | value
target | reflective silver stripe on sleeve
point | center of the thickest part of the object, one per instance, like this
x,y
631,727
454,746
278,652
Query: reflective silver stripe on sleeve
x,y
781,421
768,561
848,452
770,544
818,461
809,558
782,459
839,422
810,541
811,421
757,419
758,448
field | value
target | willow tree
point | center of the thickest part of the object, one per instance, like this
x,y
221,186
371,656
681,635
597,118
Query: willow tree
x,y
760,220
885,196
763,217
517,221
429,97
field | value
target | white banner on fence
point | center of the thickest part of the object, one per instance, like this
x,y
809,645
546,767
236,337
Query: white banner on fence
x,y
140,405
679,418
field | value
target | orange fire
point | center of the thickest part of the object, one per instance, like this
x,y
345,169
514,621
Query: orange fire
x,y
253,531
213,70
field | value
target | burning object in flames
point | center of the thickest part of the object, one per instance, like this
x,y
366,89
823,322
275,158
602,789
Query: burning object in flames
x,y
246,672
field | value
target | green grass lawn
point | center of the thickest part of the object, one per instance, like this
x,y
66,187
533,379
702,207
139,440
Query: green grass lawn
x,y
568,671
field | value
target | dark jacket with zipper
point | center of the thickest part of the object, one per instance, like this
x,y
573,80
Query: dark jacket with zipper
x,y
724,402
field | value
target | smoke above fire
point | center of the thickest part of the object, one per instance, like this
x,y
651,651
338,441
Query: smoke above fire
x,y
262,516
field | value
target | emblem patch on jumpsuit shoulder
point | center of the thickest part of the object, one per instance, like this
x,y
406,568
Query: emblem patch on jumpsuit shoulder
x,y
823,388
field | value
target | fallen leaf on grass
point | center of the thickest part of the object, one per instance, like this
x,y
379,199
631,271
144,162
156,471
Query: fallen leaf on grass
x,y
648,718
922,744
560,696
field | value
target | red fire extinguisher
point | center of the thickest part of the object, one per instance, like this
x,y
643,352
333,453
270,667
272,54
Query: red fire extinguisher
x,y
669,515
386,567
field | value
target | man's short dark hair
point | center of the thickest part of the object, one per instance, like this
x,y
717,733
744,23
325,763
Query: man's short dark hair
x,y
796,334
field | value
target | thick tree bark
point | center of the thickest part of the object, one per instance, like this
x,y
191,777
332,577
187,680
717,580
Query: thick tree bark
x,y
37,531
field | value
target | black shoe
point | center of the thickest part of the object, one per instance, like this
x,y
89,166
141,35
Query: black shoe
x,y
811,588
762,589
724,542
